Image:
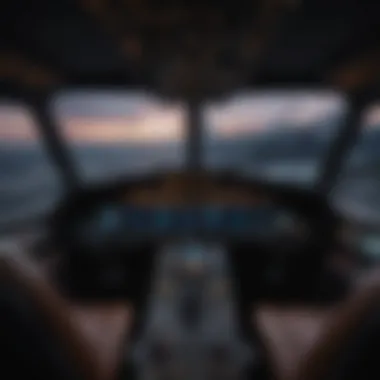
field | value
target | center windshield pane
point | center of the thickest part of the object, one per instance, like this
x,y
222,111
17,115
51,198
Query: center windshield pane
x,y
279,135
114,133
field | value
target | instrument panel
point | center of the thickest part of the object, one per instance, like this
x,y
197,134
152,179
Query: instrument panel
x,y
180,189
180,206
120,226
134,222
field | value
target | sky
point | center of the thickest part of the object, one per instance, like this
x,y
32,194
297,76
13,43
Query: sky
x,y
372,117
16,124
118,117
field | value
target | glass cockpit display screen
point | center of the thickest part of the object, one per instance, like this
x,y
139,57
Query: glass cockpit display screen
x,y
132,222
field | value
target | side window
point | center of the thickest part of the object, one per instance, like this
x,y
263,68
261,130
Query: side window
x,y
29,183
358,192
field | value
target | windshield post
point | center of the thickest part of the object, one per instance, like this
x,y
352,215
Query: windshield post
x,y
54,143
340,148
194,135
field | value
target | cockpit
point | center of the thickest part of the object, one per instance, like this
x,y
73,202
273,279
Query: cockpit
x,y
183,205
278,136
166,216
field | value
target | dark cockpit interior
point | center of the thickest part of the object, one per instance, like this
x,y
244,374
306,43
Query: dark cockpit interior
x,y
199,230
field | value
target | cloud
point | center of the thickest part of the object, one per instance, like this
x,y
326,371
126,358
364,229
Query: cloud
x,y
248,113
16,124
372,117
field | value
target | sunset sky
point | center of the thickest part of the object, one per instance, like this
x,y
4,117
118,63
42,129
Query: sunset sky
x,y
137,117
372,118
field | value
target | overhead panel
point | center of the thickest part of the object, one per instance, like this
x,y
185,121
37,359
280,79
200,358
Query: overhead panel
x,y
185,48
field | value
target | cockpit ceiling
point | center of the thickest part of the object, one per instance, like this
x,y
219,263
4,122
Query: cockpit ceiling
x,y
188,48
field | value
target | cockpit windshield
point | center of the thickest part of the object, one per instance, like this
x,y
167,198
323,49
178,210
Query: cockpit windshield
x,y
119,133
279,135
358,186
29,183
282,136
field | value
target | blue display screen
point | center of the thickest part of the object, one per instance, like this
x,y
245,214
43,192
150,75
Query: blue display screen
x,y
208,219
